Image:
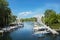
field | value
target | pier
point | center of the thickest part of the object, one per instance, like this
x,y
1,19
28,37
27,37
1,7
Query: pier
x,y
8,29
46,29
43,26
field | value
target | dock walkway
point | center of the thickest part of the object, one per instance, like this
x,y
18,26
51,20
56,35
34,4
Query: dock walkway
x,y
43,25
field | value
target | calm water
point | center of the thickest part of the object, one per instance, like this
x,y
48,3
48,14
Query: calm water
x,y
25,33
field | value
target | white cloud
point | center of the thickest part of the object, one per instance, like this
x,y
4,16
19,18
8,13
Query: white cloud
x,y
21,14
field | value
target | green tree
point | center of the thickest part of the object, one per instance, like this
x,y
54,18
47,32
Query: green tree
x,y
50,17
58,17
5,14
14,18
49,12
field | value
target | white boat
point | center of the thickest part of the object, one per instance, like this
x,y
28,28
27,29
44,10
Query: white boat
x,y
20,24
40,31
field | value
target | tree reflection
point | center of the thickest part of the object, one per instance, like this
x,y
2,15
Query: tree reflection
x,y
5,36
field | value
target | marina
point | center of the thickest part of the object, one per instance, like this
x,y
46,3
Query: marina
x,y
41,28
8,29
26,33
44,30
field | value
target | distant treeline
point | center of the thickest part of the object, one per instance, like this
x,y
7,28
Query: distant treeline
x,y
33,19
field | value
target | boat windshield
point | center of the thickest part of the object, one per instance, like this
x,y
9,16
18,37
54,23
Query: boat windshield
x,y
41,29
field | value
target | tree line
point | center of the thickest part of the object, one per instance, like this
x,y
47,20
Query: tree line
x,y
6,16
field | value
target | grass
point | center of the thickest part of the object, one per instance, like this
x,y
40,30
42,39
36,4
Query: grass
x,y
55,26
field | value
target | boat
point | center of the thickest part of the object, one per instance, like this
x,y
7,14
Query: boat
x,y
20,24
40,31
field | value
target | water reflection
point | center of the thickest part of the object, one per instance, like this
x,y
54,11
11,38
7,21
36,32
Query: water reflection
x,y
25,33
50,37
5,36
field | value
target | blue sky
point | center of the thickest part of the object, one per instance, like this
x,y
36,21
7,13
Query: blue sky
x,y
31,8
